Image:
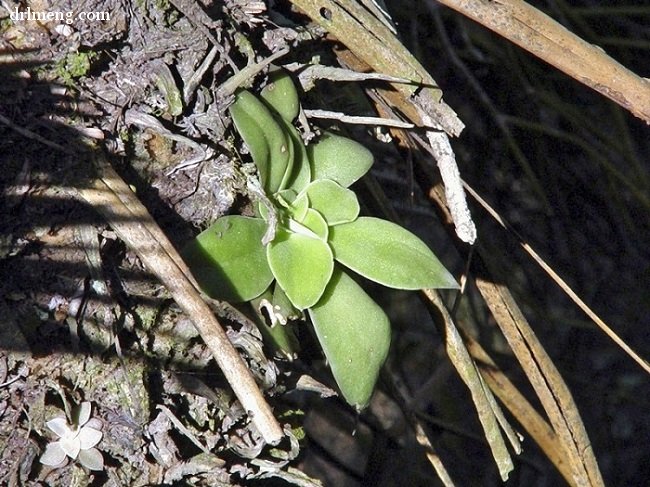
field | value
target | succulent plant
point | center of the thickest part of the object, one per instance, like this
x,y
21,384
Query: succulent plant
x,y
319,239
76,441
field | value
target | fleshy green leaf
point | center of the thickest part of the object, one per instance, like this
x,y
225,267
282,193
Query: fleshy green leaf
x,y
249,129
336,203
302,265
285,197
281,95
355,335
338,158
282,164
81,415
301,172
228,259
388,254
316,223
92,459
299,207
89,437
59,426
53,455
262,211
258,127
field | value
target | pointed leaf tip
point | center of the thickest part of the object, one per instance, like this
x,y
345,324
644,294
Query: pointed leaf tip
x,y
386,253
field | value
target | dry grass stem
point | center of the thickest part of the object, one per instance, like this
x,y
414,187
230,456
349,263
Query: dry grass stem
x,y
519,407
540,370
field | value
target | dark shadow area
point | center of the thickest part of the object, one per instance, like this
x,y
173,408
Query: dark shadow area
x,y
570,171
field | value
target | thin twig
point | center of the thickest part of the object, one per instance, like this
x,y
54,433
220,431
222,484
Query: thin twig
x,y
195,80
559,281
310,73
181,427
489,413
519,407
370,40
239,79
32,135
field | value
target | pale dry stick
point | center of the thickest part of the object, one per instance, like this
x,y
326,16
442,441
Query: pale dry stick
x,y
542,36
359,120
434,459
113,199
450,174
546,380
378,10
309,74
560,282
195,80
244,76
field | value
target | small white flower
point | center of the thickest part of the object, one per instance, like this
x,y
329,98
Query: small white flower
x,y
76,441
